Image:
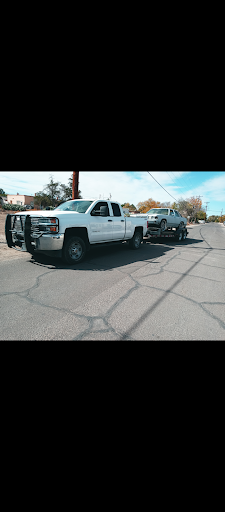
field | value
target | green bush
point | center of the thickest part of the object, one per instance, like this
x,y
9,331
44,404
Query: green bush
x,y
14,207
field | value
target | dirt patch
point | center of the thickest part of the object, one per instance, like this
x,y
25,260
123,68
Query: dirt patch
x,y
2,222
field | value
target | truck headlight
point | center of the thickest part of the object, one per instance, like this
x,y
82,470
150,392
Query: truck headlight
x,y
49,225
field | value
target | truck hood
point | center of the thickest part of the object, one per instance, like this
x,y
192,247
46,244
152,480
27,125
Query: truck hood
x,y
66,219
47,213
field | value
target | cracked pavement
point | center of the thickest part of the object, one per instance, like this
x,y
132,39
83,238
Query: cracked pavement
x,y
164,291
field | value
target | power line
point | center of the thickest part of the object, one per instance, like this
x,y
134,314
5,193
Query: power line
x,y
171,178
161,186
182,178
189,179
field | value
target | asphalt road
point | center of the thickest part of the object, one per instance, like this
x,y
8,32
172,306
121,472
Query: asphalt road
x,y
163,291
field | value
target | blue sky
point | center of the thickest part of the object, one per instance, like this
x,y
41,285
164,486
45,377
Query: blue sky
x,y
128,186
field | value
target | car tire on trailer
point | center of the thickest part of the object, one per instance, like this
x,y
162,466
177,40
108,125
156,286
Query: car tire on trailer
x,y
135,242
163,225
74,250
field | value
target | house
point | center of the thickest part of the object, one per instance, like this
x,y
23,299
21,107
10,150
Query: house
x,y
20,199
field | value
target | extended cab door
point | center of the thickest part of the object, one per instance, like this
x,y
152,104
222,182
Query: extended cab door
x,y
100,228
119,225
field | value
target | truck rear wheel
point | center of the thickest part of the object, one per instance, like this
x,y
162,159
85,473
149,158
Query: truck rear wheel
x,y
74,250
135,242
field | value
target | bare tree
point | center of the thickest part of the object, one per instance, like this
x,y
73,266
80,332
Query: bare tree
x,y
53,190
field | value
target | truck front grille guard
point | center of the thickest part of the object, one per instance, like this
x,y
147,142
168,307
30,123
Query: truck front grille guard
x,y
19,231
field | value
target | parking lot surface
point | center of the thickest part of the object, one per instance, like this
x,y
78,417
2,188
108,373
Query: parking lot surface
x,y
164,291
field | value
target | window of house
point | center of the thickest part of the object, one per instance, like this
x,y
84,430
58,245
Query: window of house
x,y
116,210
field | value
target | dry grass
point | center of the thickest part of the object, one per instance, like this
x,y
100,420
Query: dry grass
x,y
2,222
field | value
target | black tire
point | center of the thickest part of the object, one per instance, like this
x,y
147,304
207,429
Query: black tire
x,y
163,225
184,235
27,232
74,250
31,250
135,242
8,233
181,225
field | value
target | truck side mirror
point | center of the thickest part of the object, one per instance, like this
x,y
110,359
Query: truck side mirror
x,y
103,211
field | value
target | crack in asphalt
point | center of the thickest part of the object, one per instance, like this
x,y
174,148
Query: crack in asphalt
x,y
106,327
128,334
203,264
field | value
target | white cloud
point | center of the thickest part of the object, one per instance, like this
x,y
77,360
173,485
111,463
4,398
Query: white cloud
x,y
127,187
123,186
212,189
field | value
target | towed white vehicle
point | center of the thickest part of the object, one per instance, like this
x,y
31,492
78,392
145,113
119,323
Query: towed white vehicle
x,y
69,230
164,218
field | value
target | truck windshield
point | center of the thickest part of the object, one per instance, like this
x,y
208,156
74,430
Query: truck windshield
x,y
160,211
74,206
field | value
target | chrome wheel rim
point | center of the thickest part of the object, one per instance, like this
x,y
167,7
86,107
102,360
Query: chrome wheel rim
x,y
184,236
75,251
163,225
180,236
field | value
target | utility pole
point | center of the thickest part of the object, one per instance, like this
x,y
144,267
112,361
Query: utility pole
x,y
75,187
221,215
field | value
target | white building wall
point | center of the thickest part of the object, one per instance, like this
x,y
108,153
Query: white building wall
x,y
19,199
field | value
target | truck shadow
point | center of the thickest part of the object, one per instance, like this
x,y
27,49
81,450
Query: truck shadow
x,y
108,258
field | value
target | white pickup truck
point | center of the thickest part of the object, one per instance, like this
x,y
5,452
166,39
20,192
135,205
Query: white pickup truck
x,y
70,229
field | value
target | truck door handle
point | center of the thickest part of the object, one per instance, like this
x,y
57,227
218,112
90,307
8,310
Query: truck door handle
x,y
109,220
122,220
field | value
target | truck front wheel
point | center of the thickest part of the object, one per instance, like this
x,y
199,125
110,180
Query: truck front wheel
x,y
135,242
74,250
